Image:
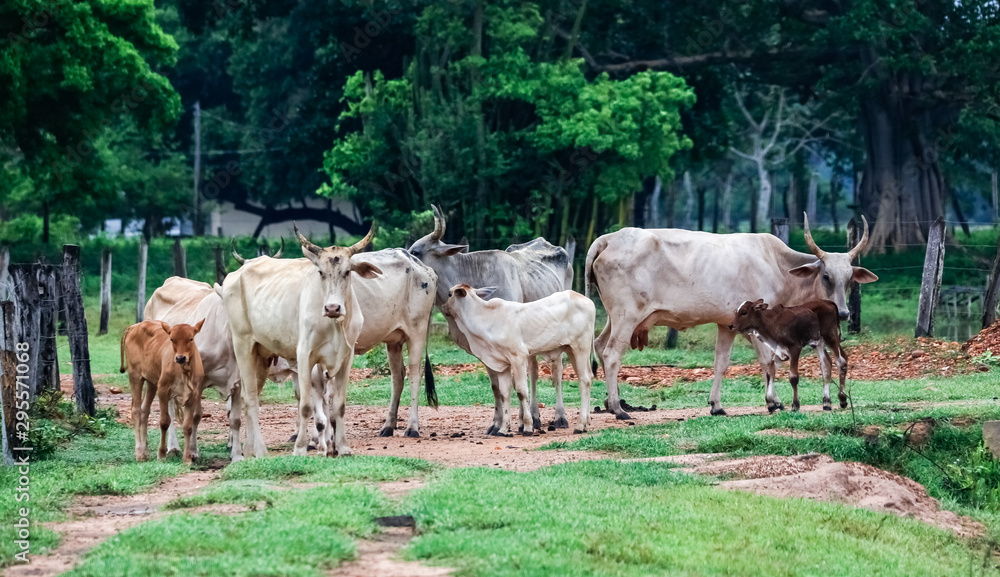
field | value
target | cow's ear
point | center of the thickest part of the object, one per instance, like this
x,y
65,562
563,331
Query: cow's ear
x,y
198,325
365,269
451,249
806,270
759,306
165,326
862,275
459,293
486,292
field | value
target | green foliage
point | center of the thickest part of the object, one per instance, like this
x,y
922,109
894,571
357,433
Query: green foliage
x,y
643,519
975,477
516,144
55,420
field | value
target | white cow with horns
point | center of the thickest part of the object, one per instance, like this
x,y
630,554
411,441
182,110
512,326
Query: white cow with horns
x,y
505,334
306,311
523,273
682,278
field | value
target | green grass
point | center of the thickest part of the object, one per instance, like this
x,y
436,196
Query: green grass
x,y
87,465
296,533
612,518
287,532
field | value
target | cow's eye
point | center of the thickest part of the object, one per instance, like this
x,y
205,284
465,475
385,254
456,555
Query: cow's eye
x,y
826,277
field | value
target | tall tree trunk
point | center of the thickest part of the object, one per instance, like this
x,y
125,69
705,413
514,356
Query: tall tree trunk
x,y
834,196
903,188
701,207
727,202
688,199
813,195
763,198
654,203
474,74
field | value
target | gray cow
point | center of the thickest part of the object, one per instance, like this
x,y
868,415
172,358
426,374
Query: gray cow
x,y
523,273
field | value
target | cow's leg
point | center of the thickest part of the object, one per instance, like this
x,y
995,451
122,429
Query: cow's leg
x,y
497,403
165,418
793,376
520,380
614,348
415,351
581,363
138,422
723,350
536,419
338,402
842,366
173,446
395,352
235,412
556,365
768,370
305,366
253,372
824,368
504,382
147,404
192,417
321,411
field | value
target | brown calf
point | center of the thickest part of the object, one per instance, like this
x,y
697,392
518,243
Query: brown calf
x,y
166,359
786,330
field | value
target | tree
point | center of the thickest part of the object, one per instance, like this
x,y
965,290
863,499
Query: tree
x,y
506,133
70,71
906,70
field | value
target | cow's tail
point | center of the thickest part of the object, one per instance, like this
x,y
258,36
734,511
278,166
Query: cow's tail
x,y
432,397
124,334
588,272
593,359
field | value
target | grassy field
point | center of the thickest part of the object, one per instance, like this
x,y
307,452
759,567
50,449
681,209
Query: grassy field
x,y
304,516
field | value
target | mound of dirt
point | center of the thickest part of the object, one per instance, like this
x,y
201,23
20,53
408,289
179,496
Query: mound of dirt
x,y
821,478
988,340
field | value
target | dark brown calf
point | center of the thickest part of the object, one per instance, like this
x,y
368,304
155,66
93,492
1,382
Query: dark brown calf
x,y
786,330
168,361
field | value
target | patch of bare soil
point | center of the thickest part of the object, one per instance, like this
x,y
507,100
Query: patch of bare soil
x,y
379,556
93,519
988,340
821,478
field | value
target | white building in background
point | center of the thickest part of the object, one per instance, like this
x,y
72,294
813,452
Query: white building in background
x,y
226,220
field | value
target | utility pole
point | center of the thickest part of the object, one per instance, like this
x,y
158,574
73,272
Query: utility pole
x,y
196,227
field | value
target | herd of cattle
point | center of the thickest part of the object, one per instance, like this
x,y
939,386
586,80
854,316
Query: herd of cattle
x,y
508,308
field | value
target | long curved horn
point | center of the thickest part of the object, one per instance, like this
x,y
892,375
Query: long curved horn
x,y
439,224
306,244
236,255
809,238
854,252
281,248
361,244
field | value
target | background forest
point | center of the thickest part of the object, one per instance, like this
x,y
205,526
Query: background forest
x,y
554,117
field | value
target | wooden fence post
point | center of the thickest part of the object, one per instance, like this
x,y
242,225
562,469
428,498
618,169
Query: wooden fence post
x,y
8,382
105,291
27,321
4,273
992,292
854,296
220,265
930,283
76,329
140,297
180,259
48,354
779,228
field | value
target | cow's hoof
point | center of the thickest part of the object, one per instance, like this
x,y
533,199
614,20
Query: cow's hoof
x,y
560,423
827,408
520,429
536,423
412,433
795,408
551,427
386,432
345,452
718,412
578,431
499,434
492,430
622,416
174,453
843,403
311,448
777,407
142,458
237,458
527,433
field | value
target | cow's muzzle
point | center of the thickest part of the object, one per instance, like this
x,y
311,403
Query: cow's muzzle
x,y
180,359
333,311
844,315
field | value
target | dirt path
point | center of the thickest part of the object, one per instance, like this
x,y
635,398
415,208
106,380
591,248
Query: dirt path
x,y
379,555
93,519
